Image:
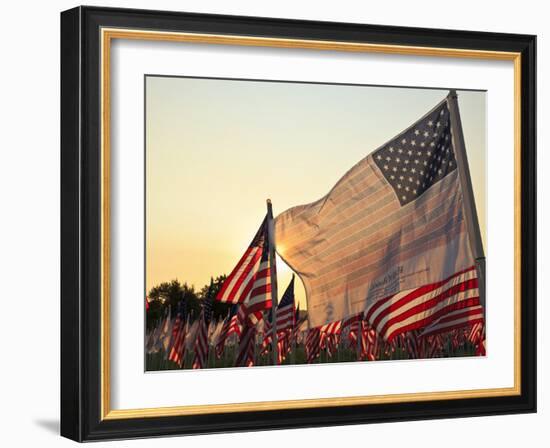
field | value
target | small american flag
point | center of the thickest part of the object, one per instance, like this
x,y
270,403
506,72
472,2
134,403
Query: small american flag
x,y
286,310
250,281
229,321
245,354
286,315
179,330
313,348
201,341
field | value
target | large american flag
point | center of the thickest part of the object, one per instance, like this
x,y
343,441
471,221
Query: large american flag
x,y
389,238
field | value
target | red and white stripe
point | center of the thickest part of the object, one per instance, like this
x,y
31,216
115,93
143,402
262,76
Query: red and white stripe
x,y
312,346
234,326
245,354
260,294
284,340
176,326
239,283
475,332
332,327
177,351
285,317
201,344
456,319
224,334
455,298
250,278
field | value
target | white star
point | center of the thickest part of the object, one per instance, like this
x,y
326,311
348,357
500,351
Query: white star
x,y
392,177
388,158
404,141
406,161
438,124
404,197
413,170
440,171
451,163
409,152
379,157
400,151
413,142
430,123
404,169
401,178
416,132
386,167
399,186
406,188
429,153
391,148
422,144
432,144
442,112
414,191
394,169
410,179
425,134
435,134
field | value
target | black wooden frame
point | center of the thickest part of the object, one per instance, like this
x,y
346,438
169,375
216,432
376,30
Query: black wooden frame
x,y
81,219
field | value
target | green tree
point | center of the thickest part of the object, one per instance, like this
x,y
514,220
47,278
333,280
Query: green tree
x,y
219,310
169,295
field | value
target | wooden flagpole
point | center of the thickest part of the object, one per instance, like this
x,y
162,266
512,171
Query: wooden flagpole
x,y
470,211
274,303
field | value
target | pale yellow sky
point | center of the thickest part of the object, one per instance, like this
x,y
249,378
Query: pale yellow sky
x,y
217,149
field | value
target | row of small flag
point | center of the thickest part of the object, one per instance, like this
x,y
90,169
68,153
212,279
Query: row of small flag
x,y
173,337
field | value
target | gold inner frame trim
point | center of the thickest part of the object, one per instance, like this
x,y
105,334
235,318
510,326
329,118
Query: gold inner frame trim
x,y
107,35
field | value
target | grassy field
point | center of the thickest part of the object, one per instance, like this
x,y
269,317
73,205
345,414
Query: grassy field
x,y
157,361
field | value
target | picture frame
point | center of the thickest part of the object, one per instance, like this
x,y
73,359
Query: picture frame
x,y
87,35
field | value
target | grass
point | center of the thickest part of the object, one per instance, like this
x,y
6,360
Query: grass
x,y
157,361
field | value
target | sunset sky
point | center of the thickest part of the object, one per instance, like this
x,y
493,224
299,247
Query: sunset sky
x,y
217,149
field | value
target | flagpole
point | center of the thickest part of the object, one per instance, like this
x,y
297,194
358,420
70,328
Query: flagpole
x,y
271,245
470,210
359,346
